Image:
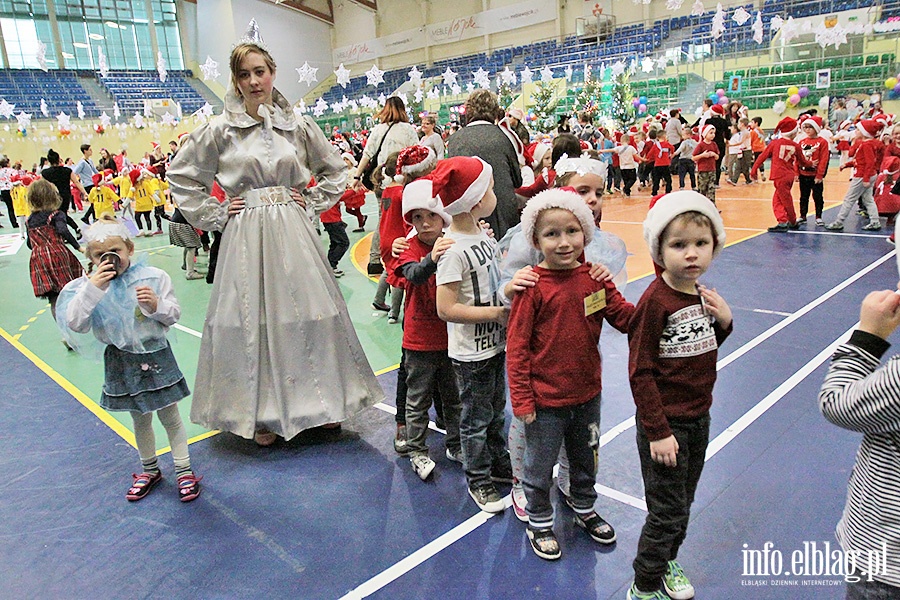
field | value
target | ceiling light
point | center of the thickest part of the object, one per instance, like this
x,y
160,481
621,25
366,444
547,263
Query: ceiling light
x,y
67,55
95,36
80,45
111,24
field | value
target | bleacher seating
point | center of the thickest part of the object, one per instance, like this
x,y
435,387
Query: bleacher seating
x,y
131,88
59,89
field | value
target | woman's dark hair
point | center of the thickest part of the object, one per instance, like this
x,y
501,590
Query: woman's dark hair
x,y
52,156
565,143
4,162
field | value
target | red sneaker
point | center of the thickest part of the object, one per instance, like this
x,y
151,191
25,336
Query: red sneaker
x,y
142,485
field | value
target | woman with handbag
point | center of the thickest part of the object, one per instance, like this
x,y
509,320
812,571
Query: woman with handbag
x,y
392,134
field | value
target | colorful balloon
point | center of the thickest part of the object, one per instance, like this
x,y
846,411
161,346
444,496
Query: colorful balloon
x,y
642,109
897,88
793,90
890,83
723,100
643,99
794,99
803,92
720,92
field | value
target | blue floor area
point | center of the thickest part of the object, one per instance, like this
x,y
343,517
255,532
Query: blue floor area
x,y
319,517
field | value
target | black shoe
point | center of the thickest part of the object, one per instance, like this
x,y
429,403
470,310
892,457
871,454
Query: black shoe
x,y
381,306
780,228
375,269
795,226
502,472
487,498
599,530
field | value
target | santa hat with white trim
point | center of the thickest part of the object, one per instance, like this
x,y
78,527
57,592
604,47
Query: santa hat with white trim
x,y
460,183
786,126
565,198
670,206
417,194
813,121
870,128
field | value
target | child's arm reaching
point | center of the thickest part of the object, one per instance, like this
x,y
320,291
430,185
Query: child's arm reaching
x,y
163,307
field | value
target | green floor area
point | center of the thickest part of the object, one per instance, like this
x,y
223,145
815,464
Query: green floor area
x,y
28,319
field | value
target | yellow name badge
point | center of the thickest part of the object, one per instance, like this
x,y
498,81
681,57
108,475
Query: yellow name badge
x,y
595,302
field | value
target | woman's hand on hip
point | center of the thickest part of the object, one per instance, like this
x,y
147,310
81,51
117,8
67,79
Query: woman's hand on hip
x,y
298,197
235,206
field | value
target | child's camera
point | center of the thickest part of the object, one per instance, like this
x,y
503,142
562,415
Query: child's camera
x,y
113,259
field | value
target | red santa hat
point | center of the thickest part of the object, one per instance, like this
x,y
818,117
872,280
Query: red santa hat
x,y
584,145
718,109
27,179
814,121
786,126
885,119
418,194
539,151
891,165
670,206
460,183
870,128
96,178
414,162
516,113
133,175
565,198
705,129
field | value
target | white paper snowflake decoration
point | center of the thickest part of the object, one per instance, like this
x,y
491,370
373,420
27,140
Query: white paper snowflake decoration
x,y
698,9
618,68
546,74
343,75
434,94
6,109
674,4
757,28
382,99
661,62
116,112
508,77
374,76
307,74
63,121
779,107
482,78
741,16
41,55
526,75
45,110
210,69
320,107
161,67
104,119
449,76
568,72
24,119
336,107
717,28
775,23
647,64
415,76
455,89
419,95
789,30
80,108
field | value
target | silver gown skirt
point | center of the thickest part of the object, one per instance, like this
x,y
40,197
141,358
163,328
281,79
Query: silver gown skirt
x,y
279,350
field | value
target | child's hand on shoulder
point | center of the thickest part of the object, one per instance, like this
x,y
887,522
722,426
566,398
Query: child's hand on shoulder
x,y
523,278
665,451
147,298
105,273
440,248
399,246
716,305
599,273
487,228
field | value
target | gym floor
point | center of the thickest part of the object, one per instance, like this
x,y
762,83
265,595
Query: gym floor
x,y
316,518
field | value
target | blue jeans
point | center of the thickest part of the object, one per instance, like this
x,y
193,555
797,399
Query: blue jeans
x,y
871,590
579,427
482,394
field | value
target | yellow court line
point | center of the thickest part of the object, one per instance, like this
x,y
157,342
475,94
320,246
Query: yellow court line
x,y
356,263
387,370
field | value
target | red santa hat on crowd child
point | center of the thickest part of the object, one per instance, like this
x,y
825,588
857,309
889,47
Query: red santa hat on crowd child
x,y
786,126
885,119
891,165
539,151
814,121
96,178
418,194
670,206
565,198
705,130
460,183
415,161
870,128
718,109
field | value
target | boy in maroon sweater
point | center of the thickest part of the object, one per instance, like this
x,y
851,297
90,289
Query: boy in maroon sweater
x,y
428,367
705,155
815,150
552,337
674,338
866,155
786,157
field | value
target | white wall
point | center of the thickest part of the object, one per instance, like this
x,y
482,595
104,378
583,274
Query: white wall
x,y
292,38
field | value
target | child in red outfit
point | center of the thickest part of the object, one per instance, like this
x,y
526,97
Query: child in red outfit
x,y
886,199
660,154
786,157
338,242
815,150
866,155
706,155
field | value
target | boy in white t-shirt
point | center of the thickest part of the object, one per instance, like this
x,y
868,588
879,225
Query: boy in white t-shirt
x,y
468,277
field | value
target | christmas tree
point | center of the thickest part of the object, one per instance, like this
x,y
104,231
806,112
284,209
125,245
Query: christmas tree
x,y
588,98
621,109
504,94
544,107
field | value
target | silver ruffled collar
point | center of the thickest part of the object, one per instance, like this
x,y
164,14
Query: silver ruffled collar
x,y
280,115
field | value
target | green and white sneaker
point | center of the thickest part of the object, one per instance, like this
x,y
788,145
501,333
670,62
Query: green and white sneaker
x,y
635,594
676,583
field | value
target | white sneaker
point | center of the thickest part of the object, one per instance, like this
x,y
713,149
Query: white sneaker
x,y
422,465
519,502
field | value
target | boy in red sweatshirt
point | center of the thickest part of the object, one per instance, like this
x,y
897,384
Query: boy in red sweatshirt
x,y
866,155
786,156
705,155
660,154
816,151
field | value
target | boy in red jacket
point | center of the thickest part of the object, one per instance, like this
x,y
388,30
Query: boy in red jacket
x,y
706,155
816,151
660,154
786,156
866,155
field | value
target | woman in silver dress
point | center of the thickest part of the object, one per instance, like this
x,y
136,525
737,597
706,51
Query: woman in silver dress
x,y
279,354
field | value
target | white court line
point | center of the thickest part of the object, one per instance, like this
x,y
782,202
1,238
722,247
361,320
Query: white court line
x,y
153,248
393,411
810,232
628,499
771,312
188,330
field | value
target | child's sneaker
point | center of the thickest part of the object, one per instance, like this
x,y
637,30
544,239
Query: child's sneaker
x,y
835,226
820,223
676,583
422,465
519,502
635,594
544,543
599,530
142,485
400,443
873,226
188,487
455,455
487,498
780,228
801,219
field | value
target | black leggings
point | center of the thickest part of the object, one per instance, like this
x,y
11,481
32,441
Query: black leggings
x,y
7,200
808,185
629,176
146,215
159,212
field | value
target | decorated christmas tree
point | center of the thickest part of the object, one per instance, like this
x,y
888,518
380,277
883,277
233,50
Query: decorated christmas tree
x,y
588,98
544,107
621,108
504,94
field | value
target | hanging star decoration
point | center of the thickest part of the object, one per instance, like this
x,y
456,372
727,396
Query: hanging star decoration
x,y
105,120
717,28
757,28
697,9
168,119
206,111
674,4
307,74
80,108
63,121
482,78
161,67
374,76
343,75
419,95
6,109
633,65
434,94
352,105
45,110
741,16
830,36
587,72
138,120
366,102
24,119
647,64
618,68
415,76
449,76
568,71
210,69
775,23
661,62
336,107
320,107
526,75
789,30
455,89
508,77
41,55
470,87
147,110
382,100
298,114
546,74
102,66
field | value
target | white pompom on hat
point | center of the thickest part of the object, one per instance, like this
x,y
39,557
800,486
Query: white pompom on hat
x,y
461,182
670,206
419,194
564,198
